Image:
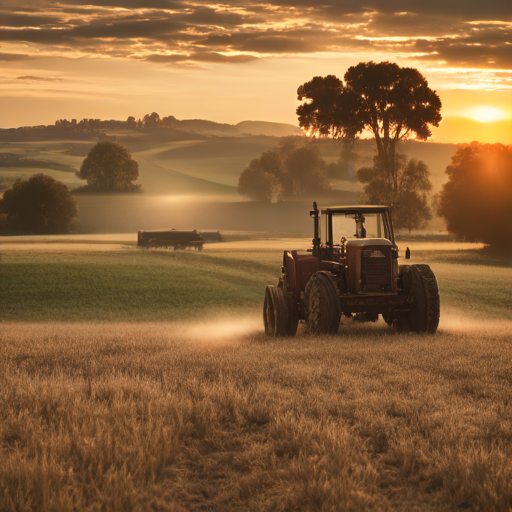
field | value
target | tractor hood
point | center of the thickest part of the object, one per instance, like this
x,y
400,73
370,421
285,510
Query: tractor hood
x,y
363,242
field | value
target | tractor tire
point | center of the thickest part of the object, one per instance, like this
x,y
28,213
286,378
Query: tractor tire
x,y
324,311
424,314
280,316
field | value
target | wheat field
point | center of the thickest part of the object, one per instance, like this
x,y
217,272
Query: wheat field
x,y
206,413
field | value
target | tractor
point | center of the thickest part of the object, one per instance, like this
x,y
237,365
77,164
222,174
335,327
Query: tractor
x,y
352,270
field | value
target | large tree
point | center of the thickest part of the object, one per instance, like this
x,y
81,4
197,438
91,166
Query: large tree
x,y
406,191
384,99
39,204
476,202
109,168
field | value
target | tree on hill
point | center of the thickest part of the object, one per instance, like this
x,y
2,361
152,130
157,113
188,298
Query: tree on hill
x,y
306,169
406,191
109,168
290,169
264,179
476,202
39,204
389,101
151,120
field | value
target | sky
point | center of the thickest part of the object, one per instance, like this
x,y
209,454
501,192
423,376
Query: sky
x,y
233,61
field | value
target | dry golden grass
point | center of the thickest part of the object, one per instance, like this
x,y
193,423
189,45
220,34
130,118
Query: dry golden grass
x,y
214,416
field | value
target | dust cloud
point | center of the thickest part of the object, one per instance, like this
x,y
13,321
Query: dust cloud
x,y
454,321
212,332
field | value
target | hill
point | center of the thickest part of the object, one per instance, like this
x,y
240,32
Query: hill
x,y
195,169
266,128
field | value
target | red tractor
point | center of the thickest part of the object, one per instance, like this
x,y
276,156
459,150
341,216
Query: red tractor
x,y
352,270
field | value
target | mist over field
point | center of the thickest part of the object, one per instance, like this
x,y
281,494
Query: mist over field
x,y
189,179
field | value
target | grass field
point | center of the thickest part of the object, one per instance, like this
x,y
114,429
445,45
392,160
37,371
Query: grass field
x,y
142,380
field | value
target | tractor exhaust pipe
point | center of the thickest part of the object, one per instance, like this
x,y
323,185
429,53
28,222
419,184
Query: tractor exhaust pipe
x,y
316,240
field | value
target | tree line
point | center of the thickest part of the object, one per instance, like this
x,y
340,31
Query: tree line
x,y
152,120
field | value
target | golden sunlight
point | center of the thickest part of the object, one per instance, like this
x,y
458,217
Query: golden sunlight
x,y
485,114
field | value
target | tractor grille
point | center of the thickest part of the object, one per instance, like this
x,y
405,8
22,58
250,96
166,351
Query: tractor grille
x,y
375,271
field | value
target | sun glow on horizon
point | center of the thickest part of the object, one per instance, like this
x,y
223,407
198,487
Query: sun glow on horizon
x,y
485,114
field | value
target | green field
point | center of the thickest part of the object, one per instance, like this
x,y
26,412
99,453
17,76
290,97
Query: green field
x,y
130,284
134,380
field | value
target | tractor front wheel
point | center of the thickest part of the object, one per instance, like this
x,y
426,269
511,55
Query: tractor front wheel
x,y
280,315
324,311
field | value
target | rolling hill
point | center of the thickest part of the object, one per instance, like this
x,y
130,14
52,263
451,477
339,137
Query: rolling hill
x,y
196,169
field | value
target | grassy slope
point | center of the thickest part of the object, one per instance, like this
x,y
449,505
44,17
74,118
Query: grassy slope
x,y
215,159
170,416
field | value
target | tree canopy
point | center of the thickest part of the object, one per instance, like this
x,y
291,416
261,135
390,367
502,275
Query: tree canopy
x,y
263,178
39,204
476,202
389,101
290,169
109,168
406,191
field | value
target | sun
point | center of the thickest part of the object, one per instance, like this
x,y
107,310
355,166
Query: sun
x,y
485,114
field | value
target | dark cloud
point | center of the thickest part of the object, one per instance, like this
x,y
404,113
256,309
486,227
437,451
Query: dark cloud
x,y
128,29
454,9
26,20
14,56
44,36
466,55
131,4
212,17
39,78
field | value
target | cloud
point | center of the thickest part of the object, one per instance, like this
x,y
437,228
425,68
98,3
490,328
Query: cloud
x,y
205,57
14,56
460,32
39,78
464,55
131,4
26,20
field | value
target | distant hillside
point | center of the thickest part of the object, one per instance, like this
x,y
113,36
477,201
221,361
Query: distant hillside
x,y
267,128
190,157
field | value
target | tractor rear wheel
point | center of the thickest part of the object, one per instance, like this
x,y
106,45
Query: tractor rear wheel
x,y
424,314
280,316
324,311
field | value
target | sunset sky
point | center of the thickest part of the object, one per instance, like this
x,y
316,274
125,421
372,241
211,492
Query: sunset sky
x,y
236,61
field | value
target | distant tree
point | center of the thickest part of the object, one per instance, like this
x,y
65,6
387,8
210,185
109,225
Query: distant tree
x,y
287,145
288,170
39,204
169,121
109,168
406,191
131,123
389,101
343,169
476,202
264,177
306,169
151,120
